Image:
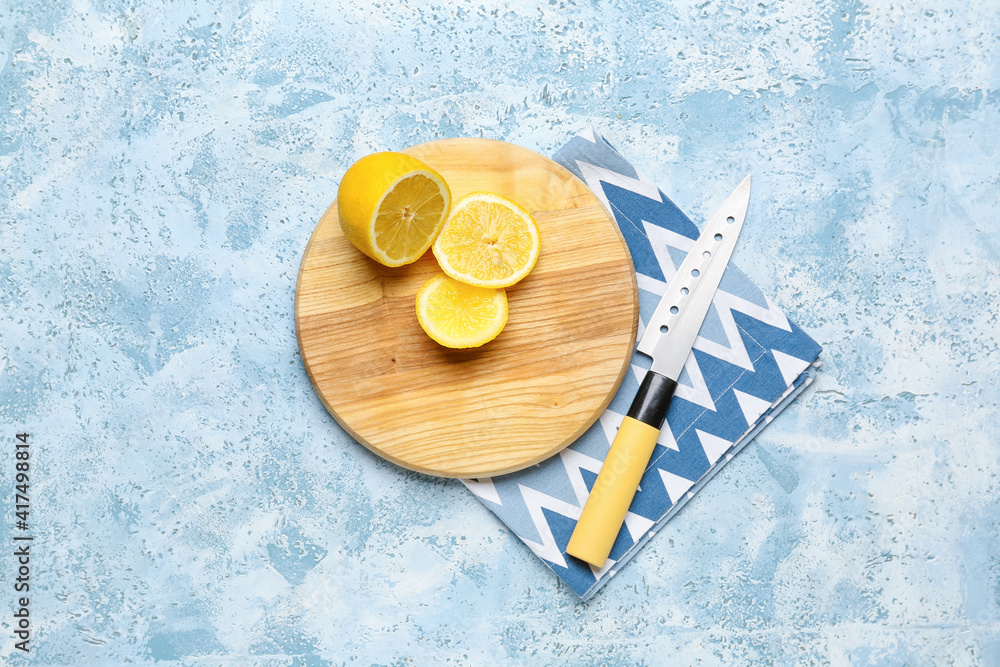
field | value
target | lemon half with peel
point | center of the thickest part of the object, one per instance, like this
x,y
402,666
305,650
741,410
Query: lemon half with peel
x,y
392,206
488,241
459,315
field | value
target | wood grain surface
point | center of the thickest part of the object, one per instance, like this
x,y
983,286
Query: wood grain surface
x,y
510,403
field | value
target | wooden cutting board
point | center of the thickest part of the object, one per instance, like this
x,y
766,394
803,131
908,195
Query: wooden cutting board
x,y
510,403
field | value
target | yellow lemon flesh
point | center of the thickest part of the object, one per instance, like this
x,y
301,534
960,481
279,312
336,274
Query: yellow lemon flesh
x,y
488,241
392,206
458,315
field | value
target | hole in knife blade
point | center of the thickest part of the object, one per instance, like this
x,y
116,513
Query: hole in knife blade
x,y
718,237
664,328
673,309
695,272
684,290
706,254
730,219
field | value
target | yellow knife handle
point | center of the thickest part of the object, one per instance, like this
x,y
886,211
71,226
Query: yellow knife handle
x,y
616,484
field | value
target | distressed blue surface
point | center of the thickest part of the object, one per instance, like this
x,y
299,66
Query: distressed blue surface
x,y
163,166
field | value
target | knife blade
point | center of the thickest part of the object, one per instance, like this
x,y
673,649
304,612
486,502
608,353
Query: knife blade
x,y
668,338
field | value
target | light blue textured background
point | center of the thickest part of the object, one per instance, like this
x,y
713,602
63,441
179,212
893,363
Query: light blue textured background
x,y
161,168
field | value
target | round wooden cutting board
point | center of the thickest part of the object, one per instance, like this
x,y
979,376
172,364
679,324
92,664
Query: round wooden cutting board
x,y
503,406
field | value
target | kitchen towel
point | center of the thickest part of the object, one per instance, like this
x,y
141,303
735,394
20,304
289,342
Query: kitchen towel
x,y
748,363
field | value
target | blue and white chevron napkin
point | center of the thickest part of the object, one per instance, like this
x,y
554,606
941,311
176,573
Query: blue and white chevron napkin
x,y
748,363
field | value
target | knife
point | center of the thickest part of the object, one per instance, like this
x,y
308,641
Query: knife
x,y
668,339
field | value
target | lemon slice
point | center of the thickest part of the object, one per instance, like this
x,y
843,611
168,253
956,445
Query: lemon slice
x,y
488,241
458,315
392,206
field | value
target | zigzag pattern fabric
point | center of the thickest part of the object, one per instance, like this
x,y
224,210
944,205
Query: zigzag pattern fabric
x,y
748,363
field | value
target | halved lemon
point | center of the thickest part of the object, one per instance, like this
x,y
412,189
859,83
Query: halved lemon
x,y
488,241
459,315
392,206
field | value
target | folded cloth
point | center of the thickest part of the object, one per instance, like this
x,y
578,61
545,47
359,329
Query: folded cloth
x,y
748,363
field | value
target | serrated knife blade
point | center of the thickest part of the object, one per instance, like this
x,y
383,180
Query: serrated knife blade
x,y
668,338
673,328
